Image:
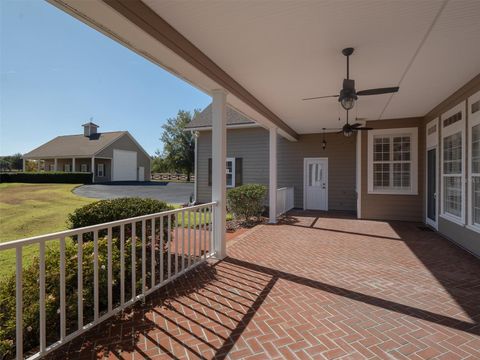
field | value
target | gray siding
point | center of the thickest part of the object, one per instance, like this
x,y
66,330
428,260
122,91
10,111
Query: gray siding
x,y
125,143
466,238
252,145
249,144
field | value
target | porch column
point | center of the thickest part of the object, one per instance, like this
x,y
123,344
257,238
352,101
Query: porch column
x,y
73,164
24,165
55,164
272,188
39,164
92,168
219,181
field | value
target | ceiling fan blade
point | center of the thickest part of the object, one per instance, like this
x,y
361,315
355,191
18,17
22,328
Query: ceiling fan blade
x,y
321,97
378,91
356,125
364,128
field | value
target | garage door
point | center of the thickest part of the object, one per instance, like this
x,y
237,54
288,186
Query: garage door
x,y
124,165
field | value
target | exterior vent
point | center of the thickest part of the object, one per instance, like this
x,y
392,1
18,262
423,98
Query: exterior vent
x,y
452,119
475,106
432,130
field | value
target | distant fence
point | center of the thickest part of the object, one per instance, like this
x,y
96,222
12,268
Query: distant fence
x,y
168,176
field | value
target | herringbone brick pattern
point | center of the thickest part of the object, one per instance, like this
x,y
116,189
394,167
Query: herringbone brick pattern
x,y
309,288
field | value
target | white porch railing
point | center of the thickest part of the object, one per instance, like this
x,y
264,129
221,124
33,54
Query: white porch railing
x,y
284,200
176,241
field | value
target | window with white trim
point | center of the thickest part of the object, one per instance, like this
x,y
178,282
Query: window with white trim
x,y
392,164
83,168
100,170
52,167
66,168
230,172
474,155
453,133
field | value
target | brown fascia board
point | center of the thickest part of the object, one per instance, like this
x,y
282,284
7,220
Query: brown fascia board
x,y
470,88
149,21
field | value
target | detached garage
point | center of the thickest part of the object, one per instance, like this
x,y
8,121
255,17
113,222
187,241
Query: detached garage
x,y
109,156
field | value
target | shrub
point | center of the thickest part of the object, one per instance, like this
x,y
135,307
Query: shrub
x,y
116,209
246,201
47,177
31,323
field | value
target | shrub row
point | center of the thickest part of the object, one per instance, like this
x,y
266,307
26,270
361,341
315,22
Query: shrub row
x,y
47,177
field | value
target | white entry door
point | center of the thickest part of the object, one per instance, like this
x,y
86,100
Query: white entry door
x,y
316,184
141,173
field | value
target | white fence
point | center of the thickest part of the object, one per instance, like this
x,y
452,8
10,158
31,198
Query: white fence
x,y
168,244
284,200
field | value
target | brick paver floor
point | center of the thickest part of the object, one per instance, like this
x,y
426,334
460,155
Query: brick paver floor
x,y
317,286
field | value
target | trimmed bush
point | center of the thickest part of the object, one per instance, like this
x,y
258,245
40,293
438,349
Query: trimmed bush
x,y
47,177
116,209
246,201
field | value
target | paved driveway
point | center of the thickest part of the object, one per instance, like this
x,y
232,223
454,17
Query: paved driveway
x,y
174,193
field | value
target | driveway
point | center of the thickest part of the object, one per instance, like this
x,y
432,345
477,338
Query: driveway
x,y
173,193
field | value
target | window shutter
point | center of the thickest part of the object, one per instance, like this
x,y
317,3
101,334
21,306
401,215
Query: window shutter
x,y
238,171
210,172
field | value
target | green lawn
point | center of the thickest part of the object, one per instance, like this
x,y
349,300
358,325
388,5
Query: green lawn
x,y
33,209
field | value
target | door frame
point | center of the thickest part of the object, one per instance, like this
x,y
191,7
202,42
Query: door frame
x,y
432,143
305,181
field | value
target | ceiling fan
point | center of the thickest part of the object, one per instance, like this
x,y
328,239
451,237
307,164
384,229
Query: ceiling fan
x,y
348,129
348,94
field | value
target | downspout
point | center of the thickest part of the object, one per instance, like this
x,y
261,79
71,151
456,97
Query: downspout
x,y
196,135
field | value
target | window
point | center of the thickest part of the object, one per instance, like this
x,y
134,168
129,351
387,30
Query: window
x,y
66,168
52,167
83,168
230,172
100,170
453,130
474,156
392,161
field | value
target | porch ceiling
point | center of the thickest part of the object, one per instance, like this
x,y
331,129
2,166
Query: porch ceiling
x,y
283,51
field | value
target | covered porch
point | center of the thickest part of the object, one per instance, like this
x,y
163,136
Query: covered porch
x,y
313,285
316,286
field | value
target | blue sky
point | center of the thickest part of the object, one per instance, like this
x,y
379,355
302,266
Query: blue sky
x,y
57,72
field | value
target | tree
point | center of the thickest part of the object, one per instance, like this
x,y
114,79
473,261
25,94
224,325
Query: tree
x,y
178,144
11,162
159,163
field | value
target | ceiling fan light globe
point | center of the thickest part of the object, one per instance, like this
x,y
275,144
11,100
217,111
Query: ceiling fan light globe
x,y
347,103
347,132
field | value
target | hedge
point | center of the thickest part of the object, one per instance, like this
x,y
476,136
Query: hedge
x,y
47,177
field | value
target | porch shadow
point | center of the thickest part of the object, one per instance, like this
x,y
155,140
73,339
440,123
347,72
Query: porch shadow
x,y
454,268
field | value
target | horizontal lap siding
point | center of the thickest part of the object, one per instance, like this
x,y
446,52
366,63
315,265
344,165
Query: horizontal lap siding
x,y
249,144
394,207
253,146
340,152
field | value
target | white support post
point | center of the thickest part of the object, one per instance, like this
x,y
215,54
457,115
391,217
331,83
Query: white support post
x,y
55,164
92,168
24,166
73,164
219,178
273,176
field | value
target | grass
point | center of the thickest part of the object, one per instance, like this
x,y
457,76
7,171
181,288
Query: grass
x,y
36,209
33,209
